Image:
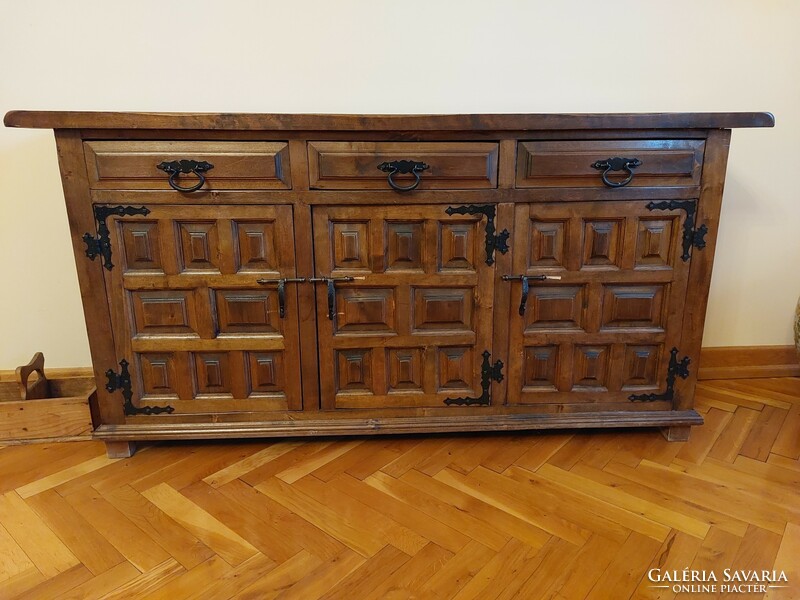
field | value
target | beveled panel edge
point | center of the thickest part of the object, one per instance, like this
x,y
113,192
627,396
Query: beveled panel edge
x,y
377,122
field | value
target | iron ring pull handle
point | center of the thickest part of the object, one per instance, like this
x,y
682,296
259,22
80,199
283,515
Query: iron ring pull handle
x,y
281,290
617,164
526,287
176,167
403,166
331,282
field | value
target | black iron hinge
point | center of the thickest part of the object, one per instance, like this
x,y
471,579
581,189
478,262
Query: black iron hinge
x,y
676,368
122,381
489,372
692,236
494,241
101,245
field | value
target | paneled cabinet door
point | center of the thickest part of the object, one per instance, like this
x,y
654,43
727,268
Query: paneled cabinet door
x,y
404,306
197,308
603,332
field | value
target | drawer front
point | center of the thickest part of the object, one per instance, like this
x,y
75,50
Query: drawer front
x,y
354,165
236,165
569,164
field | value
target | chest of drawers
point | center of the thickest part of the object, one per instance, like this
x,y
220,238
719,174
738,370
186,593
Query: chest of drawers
x,y
251,275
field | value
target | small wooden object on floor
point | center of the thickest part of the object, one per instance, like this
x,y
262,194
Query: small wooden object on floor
x,y
39,409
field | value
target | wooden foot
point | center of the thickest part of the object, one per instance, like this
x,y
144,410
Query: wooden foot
x,y
676,434
120,449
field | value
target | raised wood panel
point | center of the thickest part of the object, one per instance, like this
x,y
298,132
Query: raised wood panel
x,y
641,367
634,306
365,310
655,243
442,309
247,312
200,328
555,307
164,312
602,243
548,243
255,246
404,245
199,245
141,242
237,165
350,241
354,165
591,368
569,163
409,331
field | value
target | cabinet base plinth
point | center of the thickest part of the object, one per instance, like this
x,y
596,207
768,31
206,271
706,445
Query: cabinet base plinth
x,y
676,421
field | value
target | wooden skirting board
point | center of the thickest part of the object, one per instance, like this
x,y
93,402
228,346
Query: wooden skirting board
x,y
729,362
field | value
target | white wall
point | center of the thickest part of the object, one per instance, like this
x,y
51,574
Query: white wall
x,y
402,57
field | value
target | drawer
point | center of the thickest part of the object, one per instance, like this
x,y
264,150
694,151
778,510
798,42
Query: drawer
x,y
236,165
569,163
354,165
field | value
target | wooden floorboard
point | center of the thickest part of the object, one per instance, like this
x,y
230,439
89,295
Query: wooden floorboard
x,y
561,515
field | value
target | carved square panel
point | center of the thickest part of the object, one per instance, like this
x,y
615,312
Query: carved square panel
x,y
212,374
140,245
255,246
590,369
405,369
265,371
199,246
541,368
354,370
163,312
548,242
457,246
404,246
365,309
602,243
351,245
555,307
641,367
247,311
654,243
159,375
633,306
443,309
456,369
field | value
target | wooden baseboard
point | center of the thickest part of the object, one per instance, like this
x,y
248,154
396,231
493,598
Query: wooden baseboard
x,y
746,362
730,362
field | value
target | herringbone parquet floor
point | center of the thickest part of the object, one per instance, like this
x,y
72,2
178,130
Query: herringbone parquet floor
x,y
561,515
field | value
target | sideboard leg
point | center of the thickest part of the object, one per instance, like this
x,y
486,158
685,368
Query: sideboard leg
x,y
120,449
676,434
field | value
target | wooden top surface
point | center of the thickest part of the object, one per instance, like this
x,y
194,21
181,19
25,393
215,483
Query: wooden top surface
x,y
311,122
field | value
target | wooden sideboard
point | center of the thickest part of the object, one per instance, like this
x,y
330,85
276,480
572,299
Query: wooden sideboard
x,y
252,275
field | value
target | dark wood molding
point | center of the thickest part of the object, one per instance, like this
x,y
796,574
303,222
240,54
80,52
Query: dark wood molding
x,y
398,425
312,122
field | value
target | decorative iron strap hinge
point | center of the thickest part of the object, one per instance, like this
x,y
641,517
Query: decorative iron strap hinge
x,y
676,368
122,381
494,242
101,245
489,373
691,236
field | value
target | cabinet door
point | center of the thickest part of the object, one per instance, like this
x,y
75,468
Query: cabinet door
x,y
603,332
412,328
200,333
